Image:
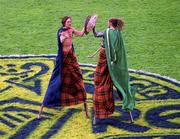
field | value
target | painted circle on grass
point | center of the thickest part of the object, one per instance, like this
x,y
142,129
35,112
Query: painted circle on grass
x,y
150,86
23,83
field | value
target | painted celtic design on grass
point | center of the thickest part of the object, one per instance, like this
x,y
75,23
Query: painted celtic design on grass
x,y
22,78
23,83
150,86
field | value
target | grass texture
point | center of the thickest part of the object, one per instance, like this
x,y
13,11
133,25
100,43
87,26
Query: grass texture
x,y
151,32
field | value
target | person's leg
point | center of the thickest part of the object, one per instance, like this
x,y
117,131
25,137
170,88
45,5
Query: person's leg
x,y
40,112
103,101
94,120
72,87
86,109
119,94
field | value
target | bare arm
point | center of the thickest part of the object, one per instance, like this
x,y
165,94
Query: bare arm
x,y
78,33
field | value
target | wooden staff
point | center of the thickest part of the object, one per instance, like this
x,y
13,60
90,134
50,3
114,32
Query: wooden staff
x,y
131,117
91,56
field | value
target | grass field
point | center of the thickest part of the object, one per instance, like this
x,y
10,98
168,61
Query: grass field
x,y
152,40
151,34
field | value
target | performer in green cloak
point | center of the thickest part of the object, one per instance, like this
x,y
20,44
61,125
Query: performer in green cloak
x,y
112,70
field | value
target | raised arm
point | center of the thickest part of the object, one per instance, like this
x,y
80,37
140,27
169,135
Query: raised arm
x,y
97,34
78,33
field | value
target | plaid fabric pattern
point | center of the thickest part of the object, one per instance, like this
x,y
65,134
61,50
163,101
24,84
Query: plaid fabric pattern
x,y
103,102
72,89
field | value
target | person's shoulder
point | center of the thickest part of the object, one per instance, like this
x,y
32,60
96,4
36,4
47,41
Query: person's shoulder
x,y
60,30
106,29
72,29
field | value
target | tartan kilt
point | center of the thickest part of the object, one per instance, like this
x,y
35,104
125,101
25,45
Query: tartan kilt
x,y
103,102
72,89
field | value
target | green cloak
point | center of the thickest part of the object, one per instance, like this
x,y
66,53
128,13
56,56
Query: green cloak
x,y
117,65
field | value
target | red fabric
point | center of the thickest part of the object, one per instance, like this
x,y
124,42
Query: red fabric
x,y
103,102
72,90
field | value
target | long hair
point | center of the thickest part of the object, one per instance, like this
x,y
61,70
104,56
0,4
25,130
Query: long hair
x,y
64,19
117,23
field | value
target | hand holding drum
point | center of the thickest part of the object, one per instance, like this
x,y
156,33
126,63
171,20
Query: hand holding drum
x,y
90,23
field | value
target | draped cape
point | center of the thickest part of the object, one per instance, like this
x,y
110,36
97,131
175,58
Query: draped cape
x,y
52,96
117,65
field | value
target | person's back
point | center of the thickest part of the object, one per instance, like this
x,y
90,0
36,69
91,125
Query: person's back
x,y
108,74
